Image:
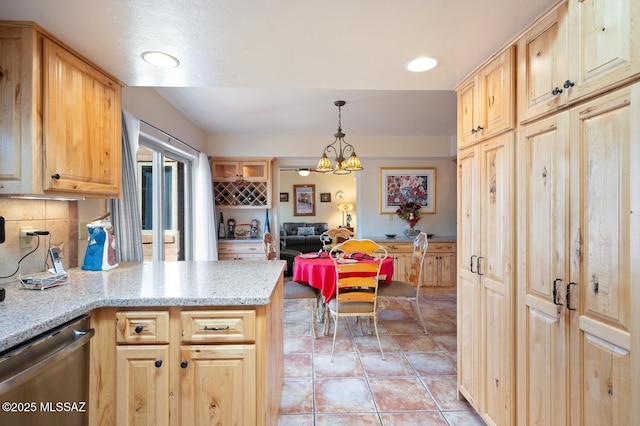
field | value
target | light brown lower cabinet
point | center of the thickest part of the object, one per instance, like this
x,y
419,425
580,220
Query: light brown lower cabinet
x,y
187,366
439,269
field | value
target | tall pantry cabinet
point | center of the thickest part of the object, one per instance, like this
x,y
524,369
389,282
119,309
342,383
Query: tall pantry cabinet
x,y
576,236
578,334
485,247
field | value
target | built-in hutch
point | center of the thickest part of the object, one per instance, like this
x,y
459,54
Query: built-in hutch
x,y
61,118
241,184
547,219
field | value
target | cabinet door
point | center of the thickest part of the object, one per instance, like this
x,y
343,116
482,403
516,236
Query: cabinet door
x,y
543,201
468,118
218,385
496,109
604,253
430,270
142,385
18,87
542,66
447,270
604,44
495,269
225,171
82,136
468,280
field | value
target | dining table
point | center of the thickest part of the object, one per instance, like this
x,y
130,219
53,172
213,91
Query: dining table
x,y
318,271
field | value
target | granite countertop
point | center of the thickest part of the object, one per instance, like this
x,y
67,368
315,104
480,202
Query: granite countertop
x,y
403,239
26,313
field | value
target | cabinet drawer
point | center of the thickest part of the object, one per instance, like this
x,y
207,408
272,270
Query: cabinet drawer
x,y
138,327
399,248
240,248
441,247
218,326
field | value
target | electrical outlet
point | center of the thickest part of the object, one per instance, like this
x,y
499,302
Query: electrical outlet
x,y
26,241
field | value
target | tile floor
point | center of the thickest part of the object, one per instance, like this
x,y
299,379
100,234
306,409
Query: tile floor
x,y
415,385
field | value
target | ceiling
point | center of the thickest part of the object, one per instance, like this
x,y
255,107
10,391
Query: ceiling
x,y
277,66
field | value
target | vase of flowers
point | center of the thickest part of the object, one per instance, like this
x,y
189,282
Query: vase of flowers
x,y
409,212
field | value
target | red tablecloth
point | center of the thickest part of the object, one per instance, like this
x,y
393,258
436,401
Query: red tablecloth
x,y
321,273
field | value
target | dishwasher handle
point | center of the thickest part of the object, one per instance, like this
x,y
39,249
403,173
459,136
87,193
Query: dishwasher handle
x,y
82,337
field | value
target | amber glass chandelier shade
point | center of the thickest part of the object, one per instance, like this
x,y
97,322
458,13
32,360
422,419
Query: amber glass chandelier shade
x,y
324,165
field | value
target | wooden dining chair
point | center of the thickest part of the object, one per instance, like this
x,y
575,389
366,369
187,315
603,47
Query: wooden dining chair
x,y
356,283
330,237
309,296
408,290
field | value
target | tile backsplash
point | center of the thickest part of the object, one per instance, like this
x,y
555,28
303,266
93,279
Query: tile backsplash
x,y
60,218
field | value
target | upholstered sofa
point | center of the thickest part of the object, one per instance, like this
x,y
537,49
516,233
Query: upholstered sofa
x,y
302,236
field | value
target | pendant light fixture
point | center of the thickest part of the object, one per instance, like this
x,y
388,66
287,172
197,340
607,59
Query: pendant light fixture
x,y
339,147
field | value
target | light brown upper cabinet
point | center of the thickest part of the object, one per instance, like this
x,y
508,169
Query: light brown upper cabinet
x,y
580,49
486,100
61,119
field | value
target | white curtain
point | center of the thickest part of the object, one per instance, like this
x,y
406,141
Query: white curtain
x,y
204,229
125,212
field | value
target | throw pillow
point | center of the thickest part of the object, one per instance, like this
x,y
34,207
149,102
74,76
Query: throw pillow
x,y
306,230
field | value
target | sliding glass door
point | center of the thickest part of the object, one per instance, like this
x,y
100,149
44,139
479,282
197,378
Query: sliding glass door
x,y
165,201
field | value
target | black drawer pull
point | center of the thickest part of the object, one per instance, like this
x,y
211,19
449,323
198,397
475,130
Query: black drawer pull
x,y
207,328
139,329
158,363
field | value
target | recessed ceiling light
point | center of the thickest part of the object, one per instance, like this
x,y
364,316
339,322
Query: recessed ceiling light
x,y
423,63
160,59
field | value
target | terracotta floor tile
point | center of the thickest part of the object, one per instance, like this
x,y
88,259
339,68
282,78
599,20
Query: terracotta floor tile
x,y
296,420
428,418
395,365
417,343
445,393
298,344
442,326
448,341
298,365
370,343
297,396
349,419
343,365
432,363
344,344
463,418
401,394
404,327
343,395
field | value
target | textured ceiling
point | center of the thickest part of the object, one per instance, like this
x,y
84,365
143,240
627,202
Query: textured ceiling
x,y
276,66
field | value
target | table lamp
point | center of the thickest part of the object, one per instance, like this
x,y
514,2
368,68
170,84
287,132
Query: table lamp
x,y
344,208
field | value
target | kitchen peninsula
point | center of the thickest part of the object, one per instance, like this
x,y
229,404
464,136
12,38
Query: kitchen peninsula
x,y
175,342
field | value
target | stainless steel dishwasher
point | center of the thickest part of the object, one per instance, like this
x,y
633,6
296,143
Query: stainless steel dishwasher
x,y
45,381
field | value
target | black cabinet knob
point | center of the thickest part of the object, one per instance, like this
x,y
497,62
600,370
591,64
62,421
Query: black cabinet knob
x,y
158,363
184,364
556,91
56,176
139,329
568,84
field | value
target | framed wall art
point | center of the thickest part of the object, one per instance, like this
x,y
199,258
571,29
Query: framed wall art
x,y
304,200
325,197
401,185
284,197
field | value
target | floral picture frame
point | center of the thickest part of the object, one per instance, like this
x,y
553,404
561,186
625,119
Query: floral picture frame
x,y
304,201
404,184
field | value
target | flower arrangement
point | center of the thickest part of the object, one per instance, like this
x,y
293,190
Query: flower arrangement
x,y
410,212
240,183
